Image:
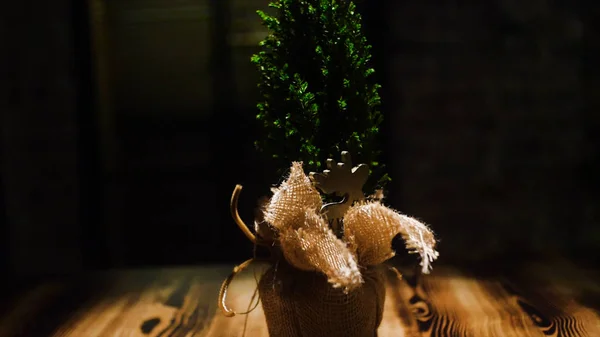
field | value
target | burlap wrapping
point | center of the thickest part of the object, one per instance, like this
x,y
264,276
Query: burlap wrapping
x,y
369,229
301,304
322,285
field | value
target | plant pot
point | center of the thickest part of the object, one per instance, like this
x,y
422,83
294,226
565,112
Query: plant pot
x,y
320,283
298,303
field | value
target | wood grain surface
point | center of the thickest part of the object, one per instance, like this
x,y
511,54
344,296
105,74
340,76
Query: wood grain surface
x,y
533,299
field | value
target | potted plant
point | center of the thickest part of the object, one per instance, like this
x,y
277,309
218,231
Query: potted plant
x,y
327,240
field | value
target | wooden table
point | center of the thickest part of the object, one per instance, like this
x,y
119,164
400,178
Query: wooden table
x,y
533,299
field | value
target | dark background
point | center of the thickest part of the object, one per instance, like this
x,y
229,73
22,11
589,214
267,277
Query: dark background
x,y
126,124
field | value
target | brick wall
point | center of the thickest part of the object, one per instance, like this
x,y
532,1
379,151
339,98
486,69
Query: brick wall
x,y
489,122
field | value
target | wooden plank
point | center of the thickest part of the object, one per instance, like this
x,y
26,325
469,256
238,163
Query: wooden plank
x,y
554,297
449,303
398,313
31,305
240,299
173,303
525,300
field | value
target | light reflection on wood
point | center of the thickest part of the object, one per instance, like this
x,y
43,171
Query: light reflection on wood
x,y
534,301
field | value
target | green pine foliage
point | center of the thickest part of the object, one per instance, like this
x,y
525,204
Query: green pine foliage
x,y
318,93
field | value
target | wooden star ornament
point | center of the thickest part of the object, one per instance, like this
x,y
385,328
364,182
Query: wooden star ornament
x,y
341,180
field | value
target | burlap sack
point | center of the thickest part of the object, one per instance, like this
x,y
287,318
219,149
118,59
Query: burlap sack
x,y
319,284
301,304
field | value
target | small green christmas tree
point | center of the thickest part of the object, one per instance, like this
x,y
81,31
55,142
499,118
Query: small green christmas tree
x,y
318,93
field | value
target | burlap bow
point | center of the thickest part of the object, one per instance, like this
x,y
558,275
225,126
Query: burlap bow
x,y
293,220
